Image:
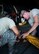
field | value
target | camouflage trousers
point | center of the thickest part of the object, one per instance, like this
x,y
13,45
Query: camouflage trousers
x,y
8,37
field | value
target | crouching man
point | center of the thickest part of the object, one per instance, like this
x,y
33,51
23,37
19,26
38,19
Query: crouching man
x,y
8,32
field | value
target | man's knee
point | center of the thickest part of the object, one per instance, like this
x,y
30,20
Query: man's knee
x,y
12,41
12,38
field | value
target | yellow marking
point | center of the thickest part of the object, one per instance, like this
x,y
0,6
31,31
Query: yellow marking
x,y
33,40
21,24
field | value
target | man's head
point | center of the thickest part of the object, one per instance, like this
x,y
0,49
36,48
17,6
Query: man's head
x,y
25,14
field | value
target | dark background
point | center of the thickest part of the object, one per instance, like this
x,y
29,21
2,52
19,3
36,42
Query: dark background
x,y
20,4
23,3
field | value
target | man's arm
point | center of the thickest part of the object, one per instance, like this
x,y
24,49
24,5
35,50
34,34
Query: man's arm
x,y
34,25
15,30
13,27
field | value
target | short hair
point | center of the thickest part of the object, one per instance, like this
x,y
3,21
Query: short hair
x,y
22,12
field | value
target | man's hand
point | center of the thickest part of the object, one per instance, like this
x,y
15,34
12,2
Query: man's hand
x,y
25,34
